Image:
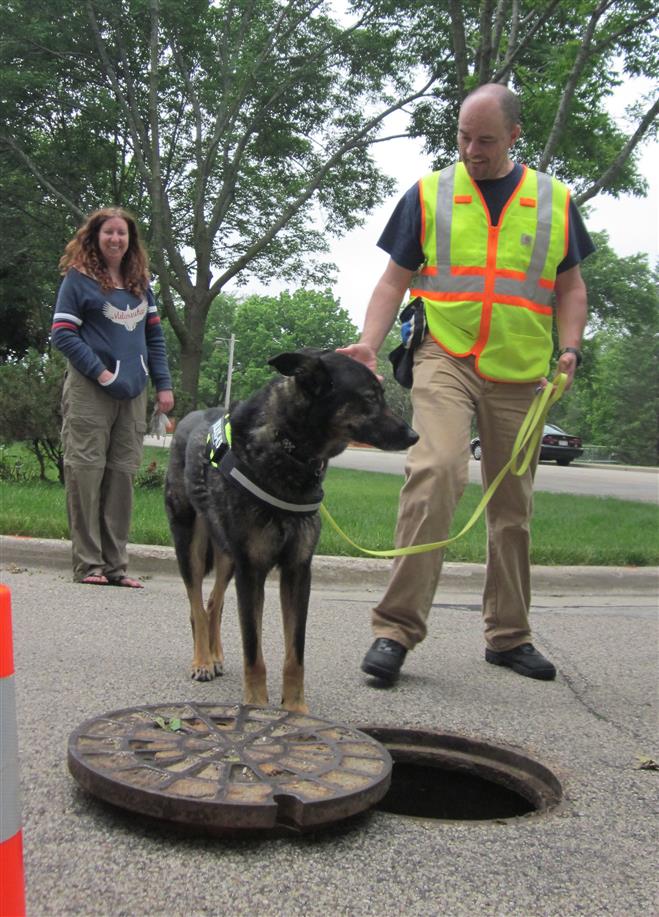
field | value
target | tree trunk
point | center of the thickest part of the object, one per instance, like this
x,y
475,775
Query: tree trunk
x,y
186,399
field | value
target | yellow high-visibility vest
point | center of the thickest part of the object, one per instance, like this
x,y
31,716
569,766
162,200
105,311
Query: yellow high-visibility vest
x,y
487,289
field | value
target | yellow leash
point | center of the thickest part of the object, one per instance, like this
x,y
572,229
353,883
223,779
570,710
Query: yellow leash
x,y
528,438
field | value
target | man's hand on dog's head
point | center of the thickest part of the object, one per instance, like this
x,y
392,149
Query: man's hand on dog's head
x,y
363,353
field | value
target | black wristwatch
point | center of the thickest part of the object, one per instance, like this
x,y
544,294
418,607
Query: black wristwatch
x,y
575,351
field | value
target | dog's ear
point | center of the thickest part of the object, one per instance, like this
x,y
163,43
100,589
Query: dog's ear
x,y
309,370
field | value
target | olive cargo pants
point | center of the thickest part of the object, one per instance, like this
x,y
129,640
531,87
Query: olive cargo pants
x,y
447,393
103,440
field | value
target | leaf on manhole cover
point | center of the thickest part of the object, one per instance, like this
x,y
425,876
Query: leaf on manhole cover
x,y
646,764
173,725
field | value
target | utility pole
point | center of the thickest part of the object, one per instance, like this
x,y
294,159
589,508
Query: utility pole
x,y
227,397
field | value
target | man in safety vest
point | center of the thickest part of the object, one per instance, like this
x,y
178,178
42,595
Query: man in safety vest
x,y
487,244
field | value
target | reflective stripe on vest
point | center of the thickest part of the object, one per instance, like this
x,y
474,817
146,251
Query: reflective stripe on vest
x,y
493,269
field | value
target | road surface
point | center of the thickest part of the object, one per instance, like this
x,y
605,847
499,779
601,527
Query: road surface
x,y
619,481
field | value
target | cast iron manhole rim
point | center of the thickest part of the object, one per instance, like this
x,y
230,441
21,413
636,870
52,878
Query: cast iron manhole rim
x,y
229,767
494,763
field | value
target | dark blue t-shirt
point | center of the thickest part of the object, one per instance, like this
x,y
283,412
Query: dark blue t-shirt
x,y
401,238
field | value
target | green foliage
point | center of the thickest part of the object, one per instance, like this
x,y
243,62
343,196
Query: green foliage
x,y
227,127
32,243
614,402
602,531
13,469
30,393
563,60
214,356
240,132
151,476
622,291
266,326
625,412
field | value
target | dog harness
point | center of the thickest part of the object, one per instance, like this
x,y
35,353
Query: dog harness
x,y
221,457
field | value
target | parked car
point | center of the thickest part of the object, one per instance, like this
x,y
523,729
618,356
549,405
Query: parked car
x,y
557,445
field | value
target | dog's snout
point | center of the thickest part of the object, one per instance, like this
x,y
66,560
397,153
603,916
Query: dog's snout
x,y
412,436
406,437
388,432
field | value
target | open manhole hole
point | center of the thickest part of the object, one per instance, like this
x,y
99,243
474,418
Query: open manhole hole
x,y
229,768
445,776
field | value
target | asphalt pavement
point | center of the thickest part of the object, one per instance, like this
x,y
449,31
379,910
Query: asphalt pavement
x,y
81,651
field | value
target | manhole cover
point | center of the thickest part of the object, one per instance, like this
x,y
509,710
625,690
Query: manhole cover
x,y
229,767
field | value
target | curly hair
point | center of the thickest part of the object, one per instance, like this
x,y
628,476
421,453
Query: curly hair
x,y
83,252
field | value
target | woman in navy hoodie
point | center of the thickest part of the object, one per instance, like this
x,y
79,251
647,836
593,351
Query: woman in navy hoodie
x,y
106,323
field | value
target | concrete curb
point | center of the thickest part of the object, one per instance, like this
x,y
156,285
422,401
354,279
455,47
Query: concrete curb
x,y
347,572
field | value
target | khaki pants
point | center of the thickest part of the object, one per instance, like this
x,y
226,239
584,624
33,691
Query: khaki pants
x,y
446,394
103,442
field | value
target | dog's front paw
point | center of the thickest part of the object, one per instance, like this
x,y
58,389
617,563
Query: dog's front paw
x,y
295,706
203,672
218,667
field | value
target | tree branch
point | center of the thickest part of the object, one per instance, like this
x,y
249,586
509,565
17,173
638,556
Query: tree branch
x,y
135,123
563,109
514,50
459,46
40,177
613,170
350,143
484,52
499,20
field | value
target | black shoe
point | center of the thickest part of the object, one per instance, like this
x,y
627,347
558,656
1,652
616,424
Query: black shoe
x,y
384,659
525,660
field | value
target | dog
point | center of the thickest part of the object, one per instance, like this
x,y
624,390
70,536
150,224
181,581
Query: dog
x,y
242,496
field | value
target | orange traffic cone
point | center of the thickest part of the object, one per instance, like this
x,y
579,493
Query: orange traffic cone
x,y
12,881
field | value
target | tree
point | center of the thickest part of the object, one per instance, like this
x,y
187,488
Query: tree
x,y
30,393
614,401
625,411
214,362
563,59
266,326
239,131
28,265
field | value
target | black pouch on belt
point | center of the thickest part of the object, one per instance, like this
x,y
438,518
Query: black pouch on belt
x,y
413,330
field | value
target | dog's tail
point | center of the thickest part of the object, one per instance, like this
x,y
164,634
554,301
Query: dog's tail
x,y
182,528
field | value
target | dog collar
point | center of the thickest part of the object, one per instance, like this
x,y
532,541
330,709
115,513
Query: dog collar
x,y
220,456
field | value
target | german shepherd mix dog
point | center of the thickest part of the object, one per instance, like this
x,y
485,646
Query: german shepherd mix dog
x,y
242,495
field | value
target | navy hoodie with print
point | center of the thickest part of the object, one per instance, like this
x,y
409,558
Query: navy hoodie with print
x,y
110,329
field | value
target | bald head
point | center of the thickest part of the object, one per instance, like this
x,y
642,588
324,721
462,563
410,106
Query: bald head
x,y
488,126
500,95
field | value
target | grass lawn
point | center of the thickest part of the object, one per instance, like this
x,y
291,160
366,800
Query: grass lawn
x,y
567,530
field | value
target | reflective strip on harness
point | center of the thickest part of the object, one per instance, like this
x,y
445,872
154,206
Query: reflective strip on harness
x,y
230,471
220,456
